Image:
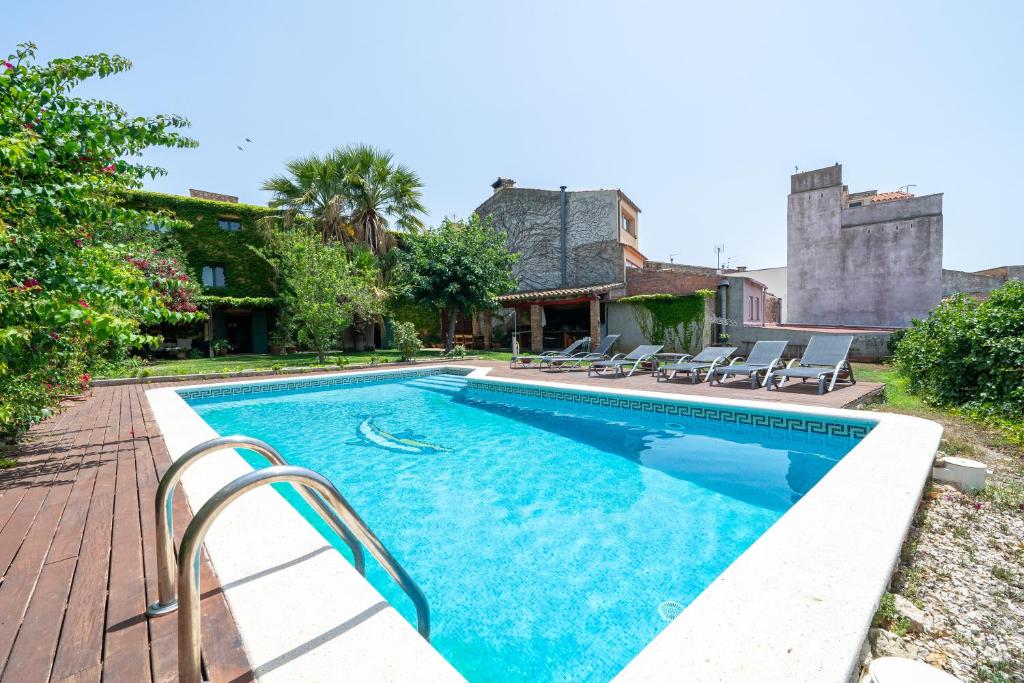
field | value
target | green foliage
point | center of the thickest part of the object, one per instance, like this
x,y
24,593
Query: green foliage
x,y
78,274
458,267
352,194
193,222
675,321
324,289
214,301
888,617
406,340
969,354
457,351
425,319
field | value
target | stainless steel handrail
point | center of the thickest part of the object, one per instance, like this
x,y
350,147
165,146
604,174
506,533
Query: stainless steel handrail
x,y
165,561
189,624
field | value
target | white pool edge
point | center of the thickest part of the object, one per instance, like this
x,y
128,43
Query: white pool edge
x,y
795,606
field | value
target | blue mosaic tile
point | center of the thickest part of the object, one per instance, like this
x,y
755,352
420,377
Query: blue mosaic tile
x,y
797,424
300,384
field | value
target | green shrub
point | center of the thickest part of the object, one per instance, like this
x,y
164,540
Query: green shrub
x,y
969,354
458,351
406,340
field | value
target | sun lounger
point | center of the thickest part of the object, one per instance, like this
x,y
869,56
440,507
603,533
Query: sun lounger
x,y
577,360
763,358
632,360
522,361
705,361
824,360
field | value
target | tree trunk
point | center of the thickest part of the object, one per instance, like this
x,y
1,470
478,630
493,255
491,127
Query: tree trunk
x,y
449,339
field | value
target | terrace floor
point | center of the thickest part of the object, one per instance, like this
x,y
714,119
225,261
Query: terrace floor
x,y
77,549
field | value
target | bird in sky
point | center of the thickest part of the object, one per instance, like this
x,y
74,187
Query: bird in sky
x,y
239,148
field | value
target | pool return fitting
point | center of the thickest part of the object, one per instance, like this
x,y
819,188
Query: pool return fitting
x,y
167,593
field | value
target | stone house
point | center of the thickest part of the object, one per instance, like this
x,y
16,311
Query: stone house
x,y
575,249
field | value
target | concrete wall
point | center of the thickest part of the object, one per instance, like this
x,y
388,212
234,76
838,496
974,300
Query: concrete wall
x,y
959,281
867,346
622,320
874,265
531,219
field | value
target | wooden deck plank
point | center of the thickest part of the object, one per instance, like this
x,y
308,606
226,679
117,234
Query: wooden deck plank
x,y
126,641
32,656
16,592
79,650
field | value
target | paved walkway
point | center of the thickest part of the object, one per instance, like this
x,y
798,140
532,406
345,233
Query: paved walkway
x,y
77,553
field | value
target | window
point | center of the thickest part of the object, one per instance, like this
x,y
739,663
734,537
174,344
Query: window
x,y
627,224
853,204
213,276
229,224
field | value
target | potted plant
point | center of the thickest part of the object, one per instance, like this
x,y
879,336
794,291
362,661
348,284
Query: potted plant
x,y
279,341
220,347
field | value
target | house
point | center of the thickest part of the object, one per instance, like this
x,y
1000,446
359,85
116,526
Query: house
x,y
575,249
238,284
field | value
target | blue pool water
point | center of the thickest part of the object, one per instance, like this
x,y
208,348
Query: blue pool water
x,y
552,539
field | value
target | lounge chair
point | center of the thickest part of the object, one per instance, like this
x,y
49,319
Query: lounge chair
x,y
522,361
824,359
706,361
633,359
578,359
763,358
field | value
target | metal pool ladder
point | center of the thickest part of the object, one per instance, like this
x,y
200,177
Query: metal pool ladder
x,y
330,504
165,561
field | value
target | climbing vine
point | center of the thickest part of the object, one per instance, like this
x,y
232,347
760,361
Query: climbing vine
x,y
671,320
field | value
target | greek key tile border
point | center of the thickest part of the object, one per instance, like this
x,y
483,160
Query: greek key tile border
x,y
328,382
654,407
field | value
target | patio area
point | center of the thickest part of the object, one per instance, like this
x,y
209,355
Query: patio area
x,y
77,550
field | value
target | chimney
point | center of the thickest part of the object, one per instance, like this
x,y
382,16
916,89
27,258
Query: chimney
x,y
502,183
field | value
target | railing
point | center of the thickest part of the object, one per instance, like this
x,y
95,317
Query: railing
x,y
189,619
167,592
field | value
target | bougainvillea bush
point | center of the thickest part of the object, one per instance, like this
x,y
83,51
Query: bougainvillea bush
x,y
969,355
78,272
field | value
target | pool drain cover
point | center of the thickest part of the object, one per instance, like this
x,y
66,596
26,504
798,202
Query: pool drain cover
x,y
669,610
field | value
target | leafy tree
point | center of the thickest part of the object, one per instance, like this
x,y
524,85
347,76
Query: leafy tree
x,y
71,282
325,288
406,340
353,194
970,354
457,267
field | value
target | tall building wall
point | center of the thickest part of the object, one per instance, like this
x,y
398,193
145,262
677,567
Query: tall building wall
x,y
879,264
531,219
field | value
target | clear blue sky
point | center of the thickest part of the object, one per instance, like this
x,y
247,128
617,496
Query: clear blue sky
x,y
698,111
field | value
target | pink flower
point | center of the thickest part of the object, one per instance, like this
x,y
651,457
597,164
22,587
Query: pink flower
x,y
30,282
977,506
86,377
54,336
79,242
154,251
8,66
83,303
108,169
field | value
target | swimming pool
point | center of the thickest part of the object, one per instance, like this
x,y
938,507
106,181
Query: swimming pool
x,y
554,532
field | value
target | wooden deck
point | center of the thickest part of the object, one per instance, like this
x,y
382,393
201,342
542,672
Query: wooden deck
x,y
77,553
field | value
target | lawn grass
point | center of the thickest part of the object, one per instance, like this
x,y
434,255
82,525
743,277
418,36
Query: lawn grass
x,y
253,361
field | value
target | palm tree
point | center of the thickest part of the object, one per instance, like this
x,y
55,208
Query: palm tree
x,y
313,187
353,194
379,191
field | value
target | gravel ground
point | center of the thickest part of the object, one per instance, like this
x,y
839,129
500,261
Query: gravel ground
x,y
963,565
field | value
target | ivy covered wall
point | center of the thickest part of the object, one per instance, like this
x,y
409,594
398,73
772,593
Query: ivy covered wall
x,y
677,322
246,274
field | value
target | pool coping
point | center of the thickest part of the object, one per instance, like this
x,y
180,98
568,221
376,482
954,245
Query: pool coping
x,y
857,516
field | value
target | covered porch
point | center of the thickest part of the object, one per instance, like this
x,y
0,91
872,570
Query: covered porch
x,y
554,318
